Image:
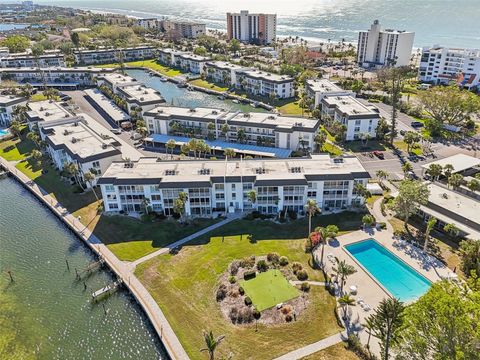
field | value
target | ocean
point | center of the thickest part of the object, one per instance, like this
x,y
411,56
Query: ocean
x,y
453,23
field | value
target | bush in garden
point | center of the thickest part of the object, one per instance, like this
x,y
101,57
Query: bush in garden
x,y
273,257
288,318
241,291
296,266
234,266
247,275
302,275
262,265
248,301
232,279
283,261
256,314
221,292
305,287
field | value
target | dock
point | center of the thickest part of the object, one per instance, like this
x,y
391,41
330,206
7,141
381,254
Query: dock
x,y
106,290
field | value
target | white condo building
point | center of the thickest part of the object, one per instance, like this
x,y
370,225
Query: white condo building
x,y
223,72
317,89
27,60
441,65
359,119
8,103
107,56
191,63
252,28
263,83
377,47
220,186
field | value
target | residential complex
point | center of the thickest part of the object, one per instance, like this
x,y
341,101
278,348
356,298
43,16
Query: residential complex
x,y
379,47
258,128
42,113
262,83
178,29
191,63
135,93
27,60
442,65
8,103
317,89
361,120
168,56
148,24
223,72
220,186
61,78
252,28
107,56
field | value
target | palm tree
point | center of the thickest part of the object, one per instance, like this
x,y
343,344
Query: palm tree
x,y
311,208
406,168
320,140
381,175
71,168
89,177
434,171
241,136
33,137
343,270
448,170
37,156
211,343
474,185
369,326
15,128
360,191
171,144
146,204
345,301
387,320
455,180
229,153
452,229
225,129
430,225
252,197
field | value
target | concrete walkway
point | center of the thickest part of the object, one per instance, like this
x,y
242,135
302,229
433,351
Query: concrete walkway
x,y
376,211
143,297
313,283
313,348
180,242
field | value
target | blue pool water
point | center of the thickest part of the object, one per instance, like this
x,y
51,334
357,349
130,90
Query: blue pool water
x,y
397,277
3,132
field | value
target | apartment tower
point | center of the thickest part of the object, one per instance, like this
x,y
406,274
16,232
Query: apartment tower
x,y
252,28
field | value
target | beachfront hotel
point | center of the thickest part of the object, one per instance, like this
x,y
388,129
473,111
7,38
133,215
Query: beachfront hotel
x,y
260,29
268,131
441,65
8,103
60,78
222,186
135,93
379,47
27,60
223,72
263,83
317,89
359,119
107,56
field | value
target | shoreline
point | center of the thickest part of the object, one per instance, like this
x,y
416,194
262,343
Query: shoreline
x,y
152,311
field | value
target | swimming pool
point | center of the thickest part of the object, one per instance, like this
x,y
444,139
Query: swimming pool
x,y
398,278
4,132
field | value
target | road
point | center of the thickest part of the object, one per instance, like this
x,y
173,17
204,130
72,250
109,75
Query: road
x,y
403,120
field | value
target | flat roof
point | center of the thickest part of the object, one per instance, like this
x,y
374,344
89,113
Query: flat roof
x,y
246,149
117,79
9,100
325,86
101,50
225,65
53,69
263,75
267,120
460,162
350,106
193,57
46,111
142,94
287,171
107,105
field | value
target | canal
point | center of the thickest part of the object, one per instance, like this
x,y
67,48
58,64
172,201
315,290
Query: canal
x,y
46,313
182,97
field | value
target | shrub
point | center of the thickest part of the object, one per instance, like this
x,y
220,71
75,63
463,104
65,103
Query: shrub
x,y
382,225
245,315
241,291
368,220
302,275
247,275
248,301
247,262
221,292
296,266
288,318
283,261
234,266
176,216
256,314
273,257
292,215
308,246
305,287
262,265
233,314
285,310
232,279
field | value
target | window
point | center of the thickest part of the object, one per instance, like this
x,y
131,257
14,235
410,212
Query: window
x,y
219,187
109,188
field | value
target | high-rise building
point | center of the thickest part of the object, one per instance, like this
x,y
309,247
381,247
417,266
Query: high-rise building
x,y
379,47
252,28
441,65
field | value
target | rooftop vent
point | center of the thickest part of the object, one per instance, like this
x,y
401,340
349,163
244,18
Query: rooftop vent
x,y
295,169
338,160
128,165
160,111
214,112
170,172
104,146
204,172
260,170
192,110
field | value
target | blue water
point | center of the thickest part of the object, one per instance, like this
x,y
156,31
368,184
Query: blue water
x,y
397,277
3,132
8,26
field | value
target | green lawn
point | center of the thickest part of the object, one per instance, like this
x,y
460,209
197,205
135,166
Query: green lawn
x,y
15,150
332,149
184,285
149,64
208,85
40,97
335,352
292,108
268,289
359,146
403,146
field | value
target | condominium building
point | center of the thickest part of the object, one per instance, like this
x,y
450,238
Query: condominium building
x,y
191,63
135,93
223,186
252,28
149,24
263,83
8,103
317,89
178,29
359,119
258,128
442,65
379,47
60,78
223,72
42,113
107,56
27,60
169,56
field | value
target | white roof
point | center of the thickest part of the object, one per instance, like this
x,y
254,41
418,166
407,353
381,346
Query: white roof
x,y
460,162
107,105
350,106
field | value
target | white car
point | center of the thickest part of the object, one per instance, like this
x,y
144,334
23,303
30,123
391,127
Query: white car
x,y
116,131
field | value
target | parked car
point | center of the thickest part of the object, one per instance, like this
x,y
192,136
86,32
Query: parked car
x,y
116,131
379,154
416,124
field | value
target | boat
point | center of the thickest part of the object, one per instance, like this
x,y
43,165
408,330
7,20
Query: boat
x,y
236,101
221,97
254,104
182,85
162,79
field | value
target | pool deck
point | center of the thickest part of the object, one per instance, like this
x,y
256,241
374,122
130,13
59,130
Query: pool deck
x,y
369,290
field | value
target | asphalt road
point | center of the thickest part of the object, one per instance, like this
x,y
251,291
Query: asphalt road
x,y
403,120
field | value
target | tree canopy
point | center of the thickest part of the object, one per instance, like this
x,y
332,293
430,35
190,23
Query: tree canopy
x,y
411,194
16,43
